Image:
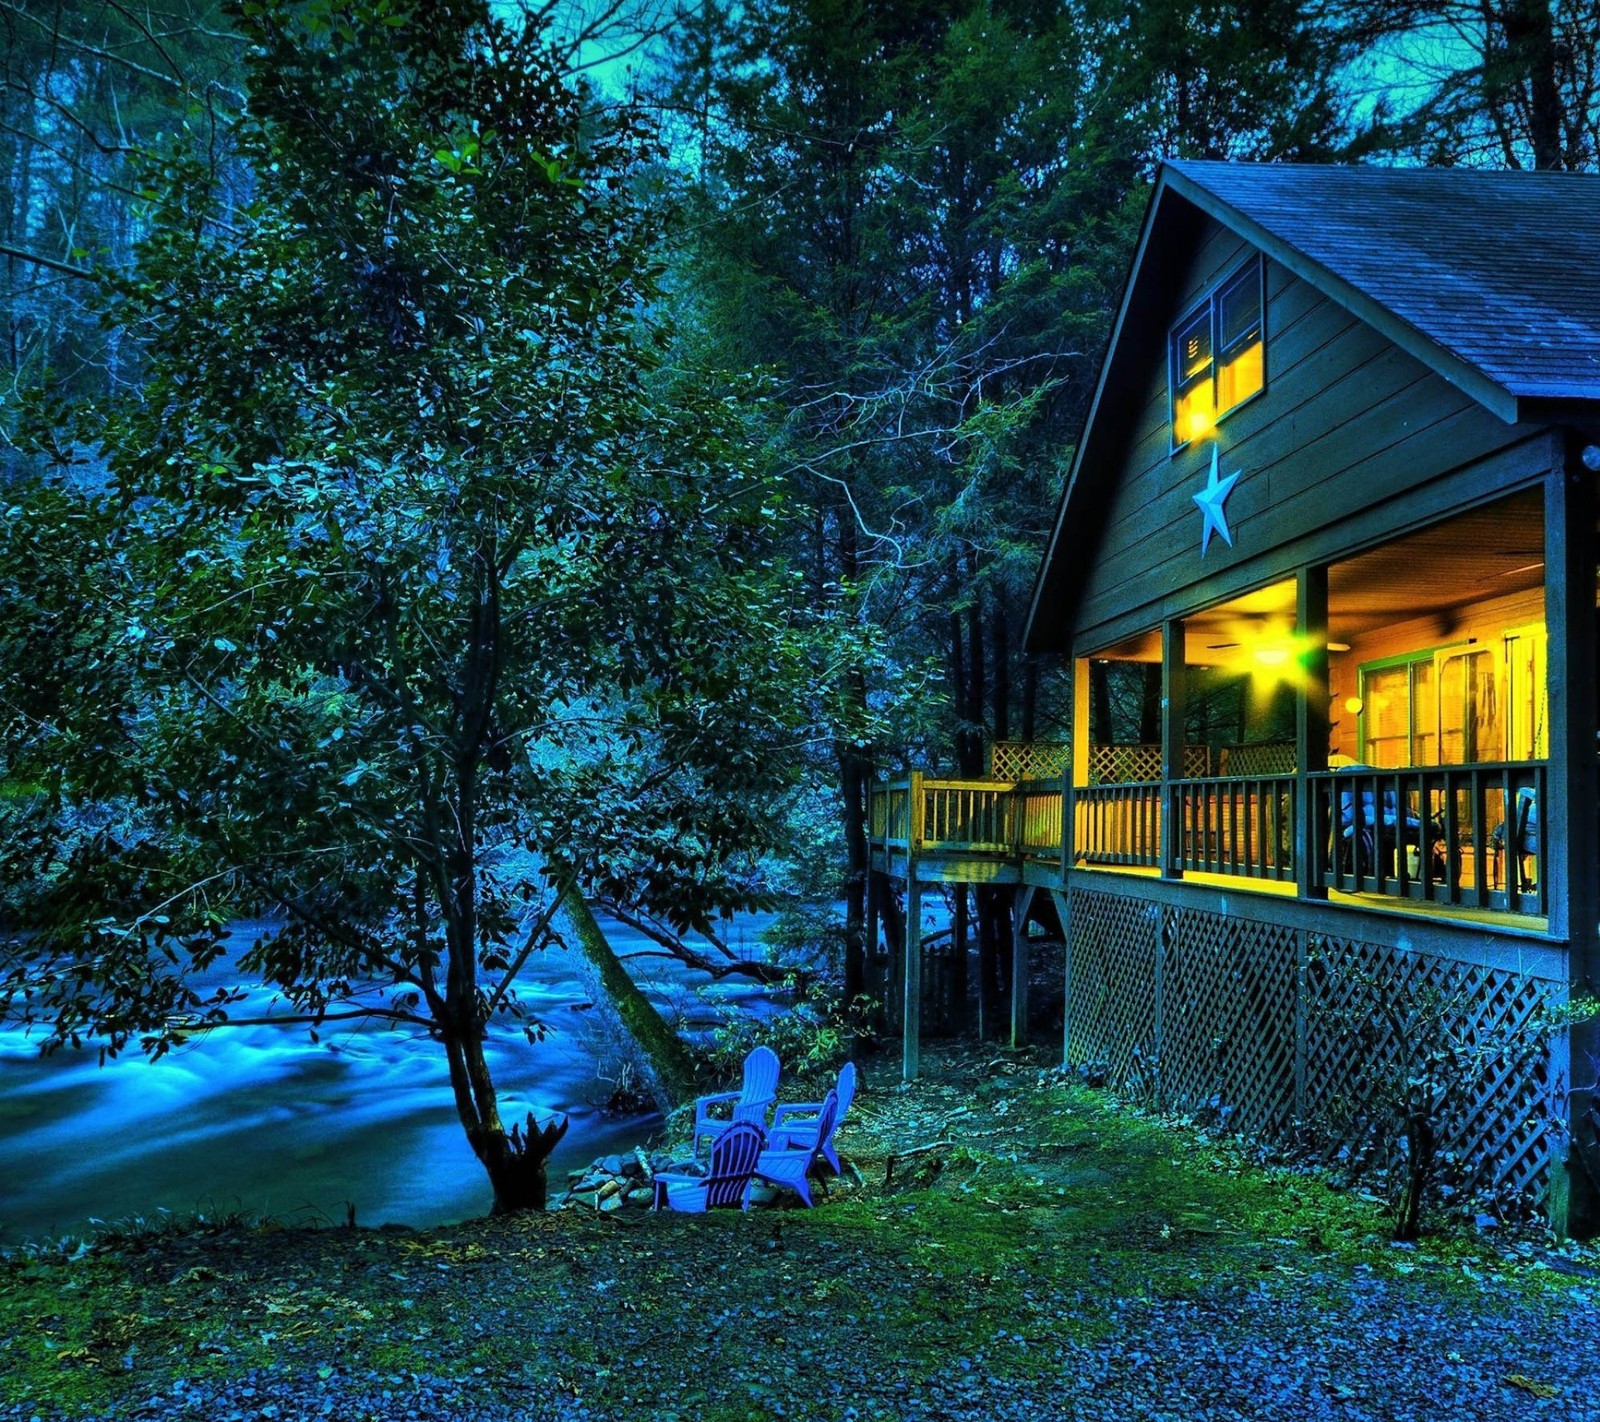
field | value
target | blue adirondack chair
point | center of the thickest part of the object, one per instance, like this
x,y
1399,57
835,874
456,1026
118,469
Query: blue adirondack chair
x,y
794,1123
726,1183
749,1103
789,1168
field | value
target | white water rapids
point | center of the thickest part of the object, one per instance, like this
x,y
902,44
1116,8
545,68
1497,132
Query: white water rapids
x,y
264,1120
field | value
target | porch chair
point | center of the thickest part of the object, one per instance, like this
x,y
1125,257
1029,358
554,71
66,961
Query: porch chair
x,y
1522,824
1382,832
725,1183
794,1123
790,1167
749,1103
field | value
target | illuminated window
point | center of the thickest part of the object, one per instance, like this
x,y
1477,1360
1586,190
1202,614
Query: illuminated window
x,y
1439,707
1216,356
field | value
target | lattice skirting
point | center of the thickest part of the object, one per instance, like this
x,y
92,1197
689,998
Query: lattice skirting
x,y
1307,1040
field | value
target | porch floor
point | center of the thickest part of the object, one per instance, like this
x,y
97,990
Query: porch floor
x,y
1500,920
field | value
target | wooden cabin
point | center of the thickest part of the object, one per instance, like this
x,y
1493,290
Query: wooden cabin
x,y
1333,516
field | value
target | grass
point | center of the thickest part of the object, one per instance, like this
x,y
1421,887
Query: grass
x,y
997,1252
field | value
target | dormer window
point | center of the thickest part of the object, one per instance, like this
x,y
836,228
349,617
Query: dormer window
x,y
1216,355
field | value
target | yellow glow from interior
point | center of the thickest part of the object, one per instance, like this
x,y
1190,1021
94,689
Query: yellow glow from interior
x,y
1271,656
1240,378
1194,418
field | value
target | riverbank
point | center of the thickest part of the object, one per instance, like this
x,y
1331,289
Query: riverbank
x,y
1007,1245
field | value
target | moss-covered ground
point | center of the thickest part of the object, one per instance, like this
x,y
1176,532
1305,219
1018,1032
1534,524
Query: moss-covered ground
x,y
1004,1243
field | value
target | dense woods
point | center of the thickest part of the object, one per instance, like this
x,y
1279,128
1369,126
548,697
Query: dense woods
x,y
458,458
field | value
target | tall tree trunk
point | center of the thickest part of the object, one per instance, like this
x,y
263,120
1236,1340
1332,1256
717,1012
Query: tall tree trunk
x,y
1030,698
668,1057
515,1162
1531,57
1001,682
970,748
855,775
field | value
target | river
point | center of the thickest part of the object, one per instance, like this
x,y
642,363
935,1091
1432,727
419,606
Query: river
x,y
266,1121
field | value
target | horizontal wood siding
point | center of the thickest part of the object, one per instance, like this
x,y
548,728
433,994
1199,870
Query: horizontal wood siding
x,y
1347,419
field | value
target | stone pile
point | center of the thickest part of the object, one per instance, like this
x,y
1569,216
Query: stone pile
x,y
614,1182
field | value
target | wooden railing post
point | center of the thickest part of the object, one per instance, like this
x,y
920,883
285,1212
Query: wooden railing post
x,y
1569,835
1069,815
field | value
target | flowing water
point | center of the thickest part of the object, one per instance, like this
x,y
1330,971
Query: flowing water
x,y
263,1119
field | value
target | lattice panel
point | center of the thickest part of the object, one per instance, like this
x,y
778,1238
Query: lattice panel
x,y
1029,760
1129,765
1248,762
1228,1018
1111,1004
1377,1015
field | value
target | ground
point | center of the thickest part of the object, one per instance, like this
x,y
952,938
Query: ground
x,y
1061,1257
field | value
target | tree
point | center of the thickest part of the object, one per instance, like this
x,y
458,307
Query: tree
x,y
1508,83
412,594
917,217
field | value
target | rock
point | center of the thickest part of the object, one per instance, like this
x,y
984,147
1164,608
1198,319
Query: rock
x,y
610,1188
612,1165
610,1203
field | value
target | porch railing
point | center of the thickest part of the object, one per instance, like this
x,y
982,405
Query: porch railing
x,y
1242,827
1463,835
1118,825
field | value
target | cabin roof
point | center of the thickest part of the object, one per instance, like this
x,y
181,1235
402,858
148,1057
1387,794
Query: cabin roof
x,y
1498,269
1492,279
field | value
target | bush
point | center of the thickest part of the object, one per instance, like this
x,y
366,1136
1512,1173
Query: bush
x,y
811,1036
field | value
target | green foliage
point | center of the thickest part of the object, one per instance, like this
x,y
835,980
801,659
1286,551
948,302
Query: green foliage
x,y
411,586
812,1036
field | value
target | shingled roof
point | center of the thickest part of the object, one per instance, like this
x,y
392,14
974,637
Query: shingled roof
x,y
1498,269
1492,279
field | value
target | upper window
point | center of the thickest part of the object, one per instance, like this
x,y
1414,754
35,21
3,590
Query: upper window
x,y
1216,355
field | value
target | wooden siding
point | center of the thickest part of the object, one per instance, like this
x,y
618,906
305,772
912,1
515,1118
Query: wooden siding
x,y
1347,419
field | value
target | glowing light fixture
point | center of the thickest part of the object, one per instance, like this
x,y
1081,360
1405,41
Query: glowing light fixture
x,y
1338,646
1353,704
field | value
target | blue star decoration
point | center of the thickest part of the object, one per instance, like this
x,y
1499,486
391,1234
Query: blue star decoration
x,y
1210,501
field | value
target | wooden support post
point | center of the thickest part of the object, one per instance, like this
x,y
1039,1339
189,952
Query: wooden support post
x,y
1078,772
1311,726
1063,903
1571,832
1174,696
1019,967
874,947
959,998
911,977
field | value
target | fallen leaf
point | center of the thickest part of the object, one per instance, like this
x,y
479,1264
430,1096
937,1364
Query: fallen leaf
x,y
1538,1389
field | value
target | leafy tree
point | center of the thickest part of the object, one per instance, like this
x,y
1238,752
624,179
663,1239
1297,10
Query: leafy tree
x,y
412,595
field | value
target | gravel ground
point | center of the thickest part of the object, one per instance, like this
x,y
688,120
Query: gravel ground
x,y
1072,1262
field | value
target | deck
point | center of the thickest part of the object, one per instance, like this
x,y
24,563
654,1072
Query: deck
x,y
1428,842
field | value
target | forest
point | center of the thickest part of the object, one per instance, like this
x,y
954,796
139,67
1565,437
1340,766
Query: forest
x,y
481,478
